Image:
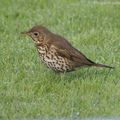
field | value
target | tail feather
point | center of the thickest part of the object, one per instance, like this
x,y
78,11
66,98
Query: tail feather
x,y
91,63
101,65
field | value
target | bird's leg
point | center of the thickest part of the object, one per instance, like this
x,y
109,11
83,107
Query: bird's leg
x,y
62,75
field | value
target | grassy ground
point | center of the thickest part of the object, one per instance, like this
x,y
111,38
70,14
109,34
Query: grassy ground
x,y
29,90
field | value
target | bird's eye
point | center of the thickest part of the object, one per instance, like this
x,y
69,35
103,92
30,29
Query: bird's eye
x,y
36,34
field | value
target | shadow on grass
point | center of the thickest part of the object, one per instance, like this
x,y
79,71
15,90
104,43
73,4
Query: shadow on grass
x,y
83,74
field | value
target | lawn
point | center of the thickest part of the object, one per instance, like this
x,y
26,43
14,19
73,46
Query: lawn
x,y
30,90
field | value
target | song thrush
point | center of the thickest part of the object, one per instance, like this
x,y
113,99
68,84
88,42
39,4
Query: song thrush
x,y
56,52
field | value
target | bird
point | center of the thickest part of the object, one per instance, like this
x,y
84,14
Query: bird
x,y
57,52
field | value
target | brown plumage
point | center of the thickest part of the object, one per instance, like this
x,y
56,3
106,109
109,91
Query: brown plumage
x,y
57,53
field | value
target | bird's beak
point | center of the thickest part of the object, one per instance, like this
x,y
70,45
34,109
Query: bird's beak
x,y
25,33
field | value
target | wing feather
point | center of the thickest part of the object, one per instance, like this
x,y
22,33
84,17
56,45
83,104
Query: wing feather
x,y
65,49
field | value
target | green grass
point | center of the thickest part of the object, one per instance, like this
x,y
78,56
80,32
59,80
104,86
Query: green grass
x,y
29,90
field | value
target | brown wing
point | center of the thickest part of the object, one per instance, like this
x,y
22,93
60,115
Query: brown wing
x,y
65,49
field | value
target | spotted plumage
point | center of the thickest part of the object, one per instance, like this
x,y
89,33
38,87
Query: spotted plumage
x,y
57,53
53,60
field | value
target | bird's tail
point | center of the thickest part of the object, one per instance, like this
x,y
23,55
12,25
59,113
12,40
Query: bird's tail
x,y
101,65
91,63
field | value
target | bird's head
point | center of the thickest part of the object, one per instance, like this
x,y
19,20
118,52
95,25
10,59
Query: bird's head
x,y
37,33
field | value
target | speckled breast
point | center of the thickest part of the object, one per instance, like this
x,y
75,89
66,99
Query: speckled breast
x,y
53,60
